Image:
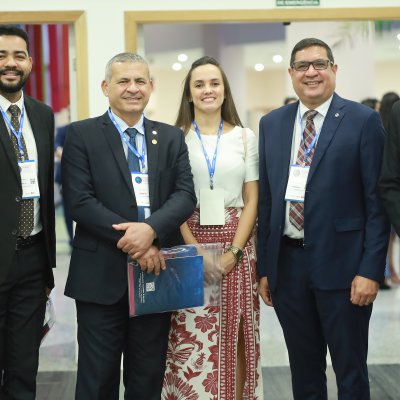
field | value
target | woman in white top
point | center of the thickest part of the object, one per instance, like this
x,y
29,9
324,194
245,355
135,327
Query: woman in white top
x,y
214,352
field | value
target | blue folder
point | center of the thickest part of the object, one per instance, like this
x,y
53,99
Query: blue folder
x,y
181,285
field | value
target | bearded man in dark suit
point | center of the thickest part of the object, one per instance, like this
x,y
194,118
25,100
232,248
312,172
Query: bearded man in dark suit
x,y
27,234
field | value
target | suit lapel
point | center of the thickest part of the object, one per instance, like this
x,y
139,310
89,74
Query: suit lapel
x,y
152,146
114,140
40,139
332,120
151,136
5,141
286,137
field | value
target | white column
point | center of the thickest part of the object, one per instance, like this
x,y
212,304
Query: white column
x,y
231,59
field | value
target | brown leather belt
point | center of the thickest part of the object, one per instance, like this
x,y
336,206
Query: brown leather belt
x,y
24,243
293,242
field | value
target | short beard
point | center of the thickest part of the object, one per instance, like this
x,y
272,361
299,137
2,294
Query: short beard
x,y
13,87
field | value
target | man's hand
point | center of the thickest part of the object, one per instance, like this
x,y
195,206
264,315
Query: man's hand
x,y
263,291
47,291
152,261
363,291
137,239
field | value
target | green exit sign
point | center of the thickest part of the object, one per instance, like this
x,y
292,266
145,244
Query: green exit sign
x,y
296,3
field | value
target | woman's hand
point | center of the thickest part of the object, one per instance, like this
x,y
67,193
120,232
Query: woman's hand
x,y
228,262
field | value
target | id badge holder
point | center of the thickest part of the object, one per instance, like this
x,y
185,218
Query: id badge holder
x,y
296,187
140,184
29,181
212,206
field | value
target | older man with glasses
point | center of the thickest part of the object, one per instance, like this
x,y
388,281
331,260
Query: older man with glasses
x,y
322,230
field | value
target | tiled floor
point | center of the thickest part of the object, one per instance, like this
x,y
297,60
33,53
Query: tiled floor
x,y
58,352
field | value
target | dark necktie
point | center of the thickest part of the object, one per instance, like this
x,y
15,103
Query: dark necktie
x,y
26,219
133,161
296,210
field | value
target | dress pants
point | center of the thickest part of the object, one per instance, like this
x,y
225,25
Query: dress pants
x,y
22,310
105,332
313,320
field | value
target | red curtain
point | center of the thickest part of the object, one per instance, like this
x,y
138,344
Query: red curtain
x,y
34,85
49,83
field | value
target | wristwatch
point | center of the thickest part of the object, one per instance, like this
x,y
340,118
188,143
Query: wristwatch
x,y
238,253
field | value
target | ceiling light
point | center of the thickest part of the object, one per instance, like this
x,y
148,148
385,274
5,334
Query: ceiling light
x,y
259,67
182,57
176,66
277,58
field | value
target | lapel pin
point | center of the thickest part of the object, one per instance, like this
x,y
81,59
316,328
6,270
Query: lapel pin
x,y
154,141
154,132
336,115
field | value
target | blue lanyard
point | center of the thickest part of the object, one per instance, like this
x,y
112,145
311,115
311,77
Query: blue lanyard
x,y
312,144
18,135
211,167
141,157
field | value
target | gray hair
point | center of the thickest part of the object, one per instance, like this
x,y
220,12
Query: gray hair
x,y
124,57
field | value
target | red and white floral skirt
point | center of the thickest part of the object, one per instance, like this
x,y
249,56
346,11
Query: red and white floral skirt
x,y
201,359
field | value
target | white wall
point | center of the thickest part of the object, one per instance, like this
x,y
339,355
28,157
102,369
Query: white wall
x,y
105,24
383,84
167,91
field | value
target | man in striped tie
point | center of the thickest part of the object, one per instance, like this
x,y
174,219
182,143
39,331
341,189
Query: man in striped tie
x,y
322,230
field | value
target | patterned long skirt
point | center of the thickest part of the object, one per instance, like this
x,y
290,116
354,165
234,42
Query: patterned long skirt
x,y
201,358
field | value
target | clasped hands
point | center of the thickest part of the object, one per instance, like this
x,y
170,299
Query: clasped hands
x,y
137,242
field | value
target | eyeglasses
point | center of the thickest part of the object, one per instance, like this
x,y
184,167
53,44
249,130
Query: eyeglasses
x,y
317,64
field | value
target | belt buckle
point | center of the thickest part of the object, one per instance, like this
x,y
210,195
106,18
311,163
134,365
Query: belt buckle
x,y
18,246
23,243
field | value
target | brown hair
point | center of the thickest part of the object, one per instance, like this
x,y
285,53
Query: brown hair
x,y
186,109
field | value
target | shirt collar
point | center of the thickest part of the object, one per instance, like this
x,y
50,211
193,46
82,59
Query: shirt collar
x,y
5,104
123,125
322,109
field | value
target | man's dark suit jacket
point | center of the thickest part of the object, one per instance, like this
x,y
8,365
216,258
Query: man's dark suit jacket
x,y
42,122
390,175
98,193
345,227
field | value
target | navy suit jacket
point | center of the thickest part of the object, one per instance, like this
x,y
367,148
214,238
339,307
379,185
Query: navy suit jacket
x,y
41,119
345,227
98,193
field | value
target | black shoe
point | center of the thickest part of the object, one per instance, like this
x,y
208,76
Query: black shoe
x,y
384,285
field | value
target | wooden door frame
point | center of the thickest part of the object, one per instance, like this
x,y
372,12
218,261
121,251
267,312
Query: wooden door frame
x,y
133,19
78,20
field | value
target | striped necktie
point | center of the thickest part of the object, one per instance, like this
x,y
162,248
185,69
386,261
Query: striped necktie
x,y
296,209
133,161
